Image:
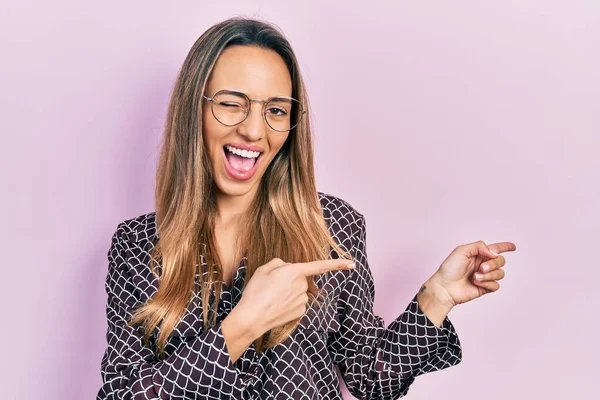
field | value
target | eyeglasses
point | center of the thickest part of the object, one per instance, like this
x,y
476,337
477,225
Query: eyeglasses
x,y
231,108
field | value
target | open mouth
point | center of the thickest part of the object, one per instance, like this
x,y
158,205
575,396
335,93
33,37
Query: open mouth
x,y
241,164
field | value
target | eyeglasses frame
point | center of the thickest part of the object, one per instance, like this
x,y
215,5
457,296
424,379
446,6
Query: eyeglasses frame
x,y
248,109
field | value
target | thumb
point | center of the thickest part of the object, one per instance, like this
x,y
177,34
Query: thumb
x,y
484,250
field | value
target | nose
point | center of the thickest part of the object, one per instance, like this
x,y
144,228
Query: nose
x,y
254,126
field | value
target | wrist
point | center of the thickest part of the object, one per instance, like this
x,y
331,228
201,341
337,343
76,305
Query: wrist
x,y
243,323
433,301
435,294
238,333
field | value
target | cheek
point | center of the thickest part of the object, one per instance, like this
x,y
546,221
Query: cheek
x,y
277,141
212,132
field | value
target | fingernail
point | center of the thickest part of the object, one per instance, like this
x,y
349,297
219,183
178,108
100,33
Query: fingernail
x,y
485,267
478,277
351,266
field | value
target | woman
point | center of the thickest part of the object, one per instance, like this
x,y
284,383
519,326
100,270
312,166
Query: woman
x,y
246,282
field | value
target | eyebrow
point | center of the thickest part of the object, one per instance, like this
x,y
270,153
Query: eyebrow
x,y
253,98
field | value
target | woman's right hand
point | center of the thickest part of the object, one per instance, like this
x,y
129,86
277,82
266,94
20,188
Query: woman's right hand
x,y
275,295
277,291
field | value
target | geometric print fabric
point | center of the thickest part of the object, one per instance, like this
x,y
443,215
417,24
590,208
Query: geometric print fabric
x,y
375,361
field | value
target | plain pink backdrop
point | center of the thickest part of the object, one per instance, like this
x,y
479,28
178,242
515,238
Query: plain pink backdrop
x,y
443,122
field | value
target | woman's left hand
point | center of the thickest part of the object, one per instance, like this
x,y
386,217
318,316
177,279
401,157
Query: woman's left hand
x,y
472,270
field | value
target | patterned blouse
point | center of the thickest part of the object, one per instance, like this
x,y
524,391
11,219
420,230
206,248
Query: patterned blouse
x,y
374,361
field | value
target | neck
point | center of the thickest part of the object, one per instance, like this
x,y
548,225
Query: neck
x,y
232,207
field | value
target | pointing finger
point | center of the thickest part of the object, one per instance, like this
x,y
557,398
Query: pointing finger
x,y
322,266
502,247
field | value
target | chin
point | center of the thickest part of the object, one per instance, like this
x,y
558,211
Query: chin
x,y
230,188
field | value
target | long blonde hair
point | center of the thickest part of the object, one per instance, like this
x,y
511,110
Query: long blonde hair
x,y
285,217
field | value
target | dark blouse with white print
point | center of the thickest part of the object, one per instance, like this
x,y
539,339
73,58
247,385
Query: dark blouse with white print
x,y
375,362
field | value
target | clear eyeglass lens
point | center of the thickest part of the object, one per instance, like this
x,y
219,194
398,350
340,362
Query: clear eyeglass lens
x,y
283,114
230,108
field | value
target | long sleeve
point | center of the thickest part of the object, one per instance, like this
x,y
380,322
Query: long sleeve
x,y
380,363
200,367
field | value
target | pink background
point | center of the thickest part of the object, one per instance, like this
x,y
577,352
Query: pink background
x,y
443,122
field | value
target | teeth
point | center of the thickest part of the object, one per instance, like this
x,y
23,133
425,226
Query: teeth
x,y
243,153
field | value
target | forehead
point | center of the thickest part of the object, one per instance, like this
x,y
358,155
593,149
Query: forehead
x,y
258,72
